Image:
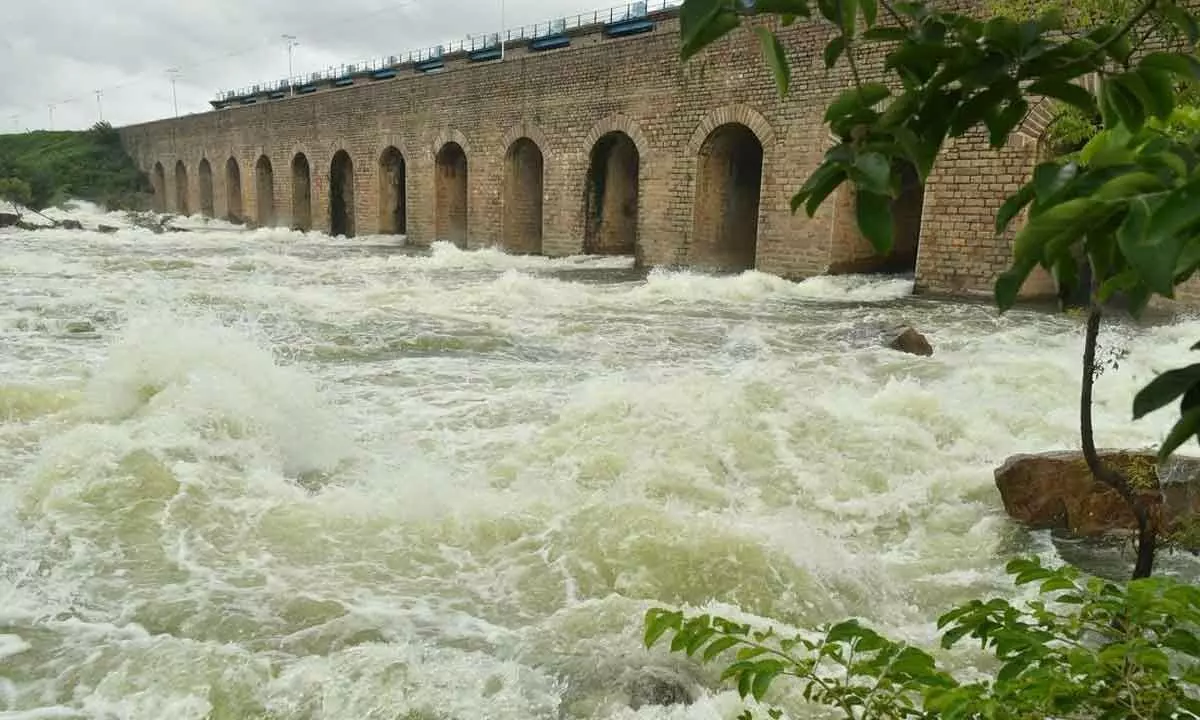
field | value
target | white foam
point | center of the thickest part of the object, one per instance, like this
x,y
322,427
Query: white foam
x,y
340,477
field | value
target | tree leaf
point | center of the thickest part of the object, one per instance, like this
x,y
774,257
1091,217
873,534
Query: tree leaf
x,y
1146,251
1127,185
658,621
1126,107
1012,206
776,59
849,12
1164,389
870,9
886,34
980,106
1001,125
1186,66
1160,90
700,35
851,99
873,172
1149,102
833,50
762,683
874,213
1070,217
798,8
824,181
1069,93
719,646
1186,428
1009,282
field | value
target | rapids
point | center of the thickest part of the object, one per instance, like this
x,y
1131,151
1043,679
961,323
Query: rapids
x,y
266,474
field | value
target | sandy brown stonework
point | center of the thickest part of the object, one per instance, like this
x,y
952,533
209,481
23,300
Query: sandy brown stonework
x,y
633,152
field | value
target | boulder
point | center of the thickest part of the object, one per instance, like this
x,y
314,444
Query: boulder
x,y
9,219
106,229
1056,490
906,339
70,224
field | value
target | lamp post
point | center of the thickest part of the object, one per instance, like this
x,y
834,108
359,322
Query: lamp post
x,y
503,33
100,104
291,42
174,73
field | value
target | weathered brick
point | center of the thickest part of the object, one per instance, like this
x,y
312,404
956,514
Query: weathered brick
x,y
610,145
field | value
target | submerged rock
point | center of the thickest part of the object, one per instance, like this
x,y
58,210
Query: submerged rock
x,y
9,219
106,229
70,225
1056,490
80,326
658,686
906,339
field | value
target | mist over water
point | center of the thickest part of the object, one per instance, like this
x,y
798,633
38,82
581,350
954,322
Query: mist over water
x,y
276,475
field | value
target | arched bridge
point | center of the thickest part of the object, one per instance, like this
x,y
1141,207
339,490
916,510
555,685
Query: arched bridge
x,y
597,141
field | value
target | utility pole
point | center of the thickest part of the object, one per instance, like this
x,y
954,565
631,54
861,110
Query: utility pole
x,y
100,104
174,73
51,106
291,42
503,31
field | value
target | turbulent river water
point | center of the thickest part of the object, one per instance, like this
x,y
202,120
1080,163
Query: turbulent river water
x,y
275,475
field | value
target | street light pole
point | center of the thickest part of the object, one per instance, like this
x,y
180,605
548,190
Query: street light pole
x,y
291,43
174,73
100,104
502,30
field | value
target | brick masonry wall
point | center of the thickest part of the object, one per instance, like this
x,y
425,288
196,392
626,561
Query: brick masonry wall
x,y
565,101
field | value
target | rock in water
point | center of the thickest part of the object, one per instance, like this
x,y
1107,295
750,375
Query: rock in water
x,y
106,229
1056,490
907,339
9,219
70,225
658,686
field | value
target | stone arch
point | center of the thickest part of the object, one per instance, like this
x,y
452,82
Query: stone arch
x,y
301,192
529,130
612,195
726,205
233,191
447,136
618,162
524,196
393,191
205,177
264,185
158,179
452,191
622,124
1033,126
341,194
731,115
181,189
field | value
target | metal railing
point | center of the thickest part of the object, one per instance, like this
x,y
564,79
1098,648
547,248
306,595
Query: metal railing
x,y
472,43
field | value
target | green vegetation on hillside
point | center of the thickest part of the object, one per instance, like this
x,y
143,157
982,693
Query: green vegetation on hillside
x,y
40,169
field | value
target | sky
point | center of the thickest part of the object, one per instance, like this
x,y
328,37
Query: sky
x,y
61,53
